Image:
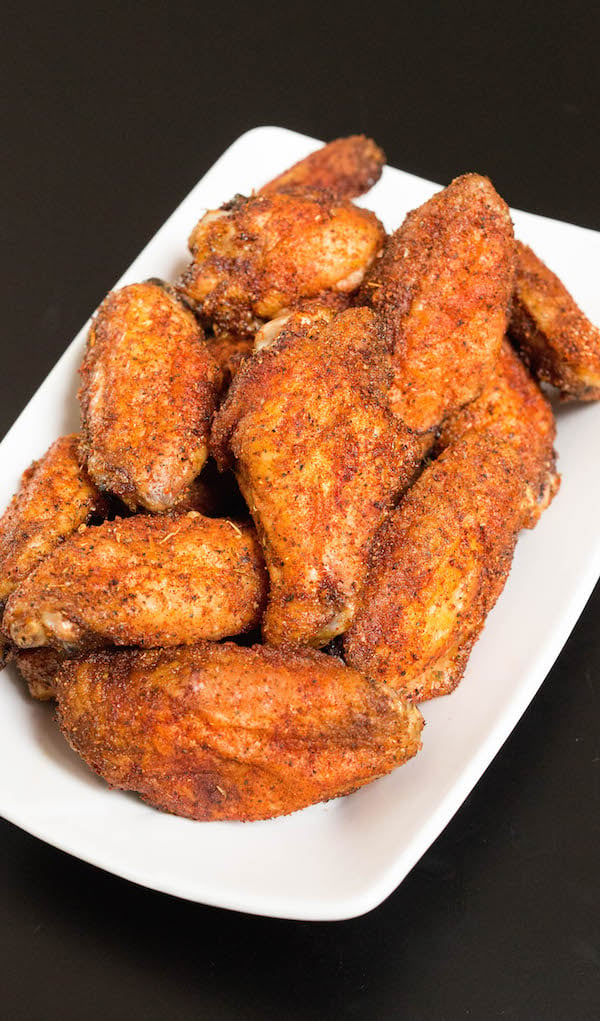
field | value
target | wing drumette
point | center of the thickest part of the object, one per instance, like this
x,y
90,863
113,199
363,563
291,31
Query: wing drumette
x,y
258,256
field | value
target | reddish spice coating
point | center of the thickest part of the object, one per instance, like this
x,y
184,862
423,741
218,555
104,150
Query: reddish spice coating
x,y
514,409
441,560
224,732
443,285
54,498
149,389
347,167
555,339
150,581
257,256
39,667
320,459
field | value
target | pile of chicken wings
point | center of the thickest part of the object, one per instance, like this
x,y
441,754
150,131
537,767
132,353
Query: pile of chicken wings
x,y
296,492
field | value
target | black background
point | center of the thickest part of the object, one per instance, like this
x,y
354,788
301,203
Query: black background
x,y
113,112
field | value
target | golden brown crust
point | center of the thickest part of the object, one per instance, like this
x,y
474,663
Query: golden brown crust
x,y
347,167
443,285
54,498
513,408
442,558
149,581
222,732
39,668
320,459
437,569
556,340
257,256
148,393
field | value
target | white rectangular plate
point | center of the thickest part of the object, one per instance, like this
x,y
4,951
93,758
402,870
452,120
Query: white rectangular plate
x,y
337,860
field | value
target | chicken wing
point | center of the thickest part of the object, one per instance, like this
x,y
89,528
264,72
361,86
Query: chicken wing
x,y
150,581
319,458
256,256
223,732
55,497
555,339
347,167
149,389
443,285
442,558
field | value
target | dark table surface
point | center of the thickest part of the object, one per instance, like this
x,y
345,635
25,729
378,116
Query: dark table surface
x,y
114,112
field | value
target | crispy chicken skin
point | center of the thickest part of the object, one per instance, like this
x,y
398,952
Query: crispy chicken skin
x,y
442,558
443,285
38,668
347,167
555,339
148,393
513,409
149,581
319,458
256,256
54,498
222,732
